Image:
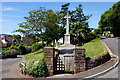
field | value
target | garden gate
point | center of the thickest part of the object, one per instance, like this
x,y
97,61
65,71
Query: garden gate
x,y
65,64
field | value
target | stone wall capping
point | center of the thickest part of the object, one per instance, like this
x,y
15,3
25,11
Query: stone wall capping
x,y
49,47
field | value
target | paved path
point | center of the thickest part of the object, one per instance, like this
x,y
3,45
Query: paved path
x,y
114,45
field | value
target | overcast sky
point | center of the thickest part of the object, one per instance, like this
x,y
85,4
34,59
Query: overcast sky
x,y
13,13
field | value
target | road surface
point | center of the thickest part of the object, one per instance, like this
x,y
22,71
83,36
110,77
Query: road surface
x,y
114,46
7,62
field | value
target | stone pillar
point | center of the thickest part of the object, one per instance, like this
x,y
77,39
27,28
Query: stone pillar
x,y
79,63
49,59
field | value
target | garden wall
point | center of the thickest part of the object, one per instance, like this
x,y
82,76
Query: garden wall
x,y
97,60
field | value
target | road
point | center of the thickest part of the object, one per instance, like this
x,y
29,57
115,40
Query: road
x,y
7,62
113,45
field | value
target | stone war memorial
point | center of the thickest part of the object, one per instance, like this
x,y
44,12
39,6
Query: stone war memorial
x,y
69,59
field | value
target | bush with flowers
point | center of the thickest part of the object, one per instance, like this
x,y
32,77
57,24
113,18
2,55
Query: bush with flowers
x,y
34,68
12,53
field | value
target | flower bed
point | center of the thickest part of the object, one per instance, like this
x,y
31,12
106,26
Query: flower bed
x,y
12,53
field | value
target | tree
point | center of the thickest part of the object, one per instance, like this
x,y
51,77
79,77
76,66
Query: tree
x,y
34,23
42,23
110,19
80,27
63,12
28,40
96,32
52,30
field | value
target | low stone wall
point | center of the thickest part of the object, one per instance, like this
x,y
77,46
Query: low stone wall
x,y
97,60
49,59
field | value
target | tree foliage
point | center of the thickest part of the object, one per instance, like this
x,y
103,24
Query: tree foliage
x,y
110,20
63,12
52,28
28,40
49,25
80,27
34,23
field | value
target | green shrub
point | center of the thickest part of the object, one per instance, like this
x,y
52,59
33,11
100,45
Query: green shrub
x,y
28,49
20,65
49,45
54,45
10,53
36,46
21,49
29,68
37,68
11,47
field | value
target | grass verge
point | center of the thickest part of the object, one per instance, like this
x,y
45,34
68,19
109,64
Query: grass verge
x,y
93,48
35,55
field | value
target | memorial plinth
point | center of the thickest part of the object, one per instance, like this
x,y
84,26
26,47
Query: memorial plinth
x,y
67,39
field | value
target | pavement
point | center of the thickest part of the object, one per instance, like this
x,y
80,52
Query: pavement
x,y
13,71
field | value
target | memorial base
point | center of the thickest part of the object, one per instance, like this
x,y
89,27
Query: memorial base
x,y
67,39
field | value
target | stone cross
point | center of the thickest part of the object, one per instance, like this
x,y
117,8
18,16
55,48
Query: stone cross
x,y
67,24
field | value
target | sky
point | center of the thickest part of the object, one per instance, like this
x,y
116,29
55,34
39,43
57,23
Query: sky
x,y
13,13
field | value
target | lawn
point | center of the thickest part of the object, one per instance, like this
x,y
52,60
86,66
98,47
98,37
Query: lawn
x,y
93,47
0,50
35,55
